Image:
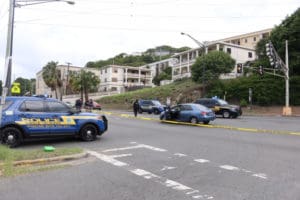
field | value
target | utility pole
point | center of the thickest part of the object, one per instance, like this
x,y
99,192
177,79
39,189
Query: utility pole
x,y
287,110
67,82
9,46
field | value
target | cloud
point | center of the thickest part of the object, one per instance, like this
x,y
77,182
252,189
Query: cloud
x,y
96,30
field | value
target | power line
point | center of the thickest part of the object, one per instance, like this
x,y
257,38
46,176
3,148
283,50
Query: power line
x,y
124,28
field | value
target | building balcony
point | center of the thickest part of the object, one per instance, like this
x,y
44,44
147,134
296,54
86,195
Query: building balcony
x,y
182,75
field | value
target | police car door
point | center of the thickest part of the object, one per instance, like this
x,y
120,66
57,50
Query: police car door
x,y
31,115
62,121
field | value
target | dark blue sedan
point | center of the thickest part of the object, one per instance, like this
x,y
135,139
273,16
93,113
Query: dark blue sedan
x,y
190,112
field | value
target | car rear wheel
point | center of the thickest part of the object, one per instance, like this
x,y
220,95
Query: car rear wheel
x,y
226,114
194,120
12,137
88,132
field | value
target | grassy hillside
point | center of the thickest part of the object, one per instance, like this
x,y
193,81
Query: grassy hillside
x,y
179,91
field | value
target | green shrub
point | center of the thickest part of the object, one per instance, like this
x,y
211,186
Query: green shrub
x,y
243,103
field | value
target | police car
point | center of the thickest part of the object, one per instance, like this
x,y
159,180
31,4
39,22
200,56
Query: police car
x,y
36,117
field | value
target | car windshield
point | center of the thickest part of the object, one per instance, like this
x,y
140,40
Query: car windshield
x,y
222,102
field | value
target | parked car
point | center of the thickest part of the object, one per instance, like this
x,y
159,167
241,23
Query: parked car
x,y
95,105
221,107
190,112
40,117
150,106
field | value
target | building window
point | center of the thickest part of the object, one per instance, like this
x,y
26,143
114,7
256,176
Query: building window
x,y
105,80
114,79
254,39
113,89
250,55
246,40
228,50
115,70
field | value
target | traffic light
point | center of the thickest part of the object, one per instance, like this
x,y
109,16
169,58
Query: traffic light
x,y
261,70
270,53
239,68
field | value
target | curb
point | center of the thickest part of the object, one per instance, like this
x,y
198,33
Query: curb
x,y
49,160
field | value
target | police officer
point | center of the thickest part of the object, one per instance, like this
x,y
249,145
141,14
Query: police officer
x,y
135,107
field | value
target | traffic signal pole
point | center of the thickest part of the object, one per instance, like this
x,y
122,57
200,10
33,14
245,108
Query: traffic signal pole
x,y
287,110
277,63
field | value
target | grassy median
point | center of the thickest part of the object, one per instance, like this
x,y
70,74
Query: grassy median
x,y
9,156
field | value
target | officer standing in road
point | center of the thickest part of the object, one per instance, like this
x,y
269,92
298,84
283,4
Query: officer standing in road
x,y
135,107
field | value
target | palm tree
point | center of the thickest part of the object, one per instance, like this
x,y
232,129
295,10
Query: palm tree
x,y
52,78
84,82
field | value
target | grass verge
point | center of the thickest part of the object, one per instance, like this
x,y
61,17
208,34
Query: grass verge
x,y
9,156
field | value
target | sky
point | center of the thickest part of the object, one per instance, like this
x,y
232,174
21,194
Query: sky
x,y
92,30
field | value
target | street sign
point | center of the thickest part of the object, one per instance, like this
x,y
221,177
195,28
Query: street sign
x,y
16,88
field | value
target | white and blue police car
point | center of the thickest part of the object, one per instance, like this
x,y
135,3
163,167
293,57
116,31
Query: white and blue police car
x,y
38,117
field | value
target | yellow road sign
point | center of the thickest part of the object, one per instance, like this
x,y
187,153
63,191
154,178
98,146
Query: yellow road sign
x,y
15,89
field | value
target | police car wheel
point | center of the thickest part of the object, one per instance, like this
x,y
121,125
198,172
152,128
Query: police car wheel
x,y
226,114
12,137
88,132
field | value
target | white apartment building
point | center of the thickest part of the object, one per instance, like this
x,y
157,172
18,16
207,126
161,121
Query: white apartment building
x,y
240,47
248,40
159,66
123,78
184,60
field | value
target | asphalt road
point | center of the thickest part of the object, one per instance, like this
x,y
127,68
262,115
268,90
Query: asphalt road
x,y
246,158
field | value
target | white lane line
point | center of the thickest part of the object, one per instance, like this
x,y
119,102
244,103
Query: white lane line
x,y
175,185
167,168
143,173
136,147
180,154
246,171
153,148
192,192
229,167
148,175
261,175
201,160
123,148
107,159
121,155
